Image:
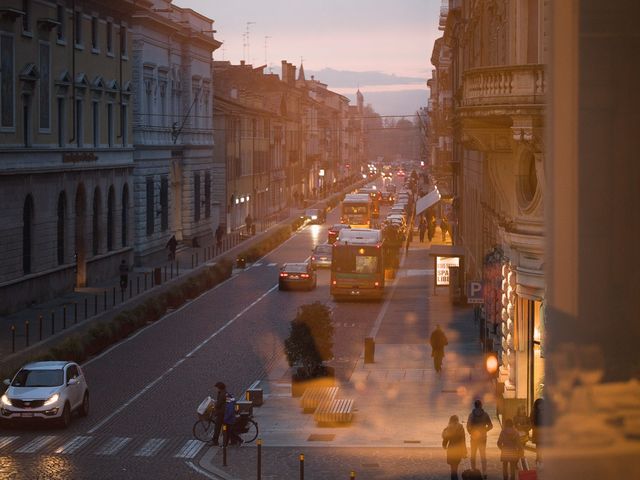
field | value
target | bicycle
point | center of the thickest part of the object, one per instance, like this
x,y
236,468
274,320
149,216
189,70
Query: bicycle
x,y
245,426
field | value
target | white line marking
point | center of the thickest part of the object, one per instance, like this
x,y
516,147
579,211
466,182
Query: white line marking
x,y
190,449
4,441
113,445
175,365
150,448
272,265
36,444
202,471
73,445
259,264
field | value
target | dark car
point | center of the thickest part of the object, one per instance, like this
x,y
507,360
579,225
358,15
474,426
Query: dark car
x,y
388,198
334,231
315,215
297,275
321,256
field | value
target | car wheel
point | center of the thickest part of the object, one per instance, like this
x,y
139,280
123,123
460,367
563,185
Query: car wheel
x,y
84,408
65,418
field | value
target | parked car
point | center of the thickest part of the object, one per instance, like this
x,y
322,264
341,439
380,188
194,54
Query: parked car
x,y
297,275
315,215
46,391
321,256
334,231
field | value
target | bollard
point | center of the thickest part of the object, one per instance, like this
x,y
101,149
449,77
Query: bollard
x,y
26,331
13,338
64,317
53,322
301,466
196,258
95,304
75,312
259,473
104,294
165,273
171,270
224,445
40,327
192,260
352,475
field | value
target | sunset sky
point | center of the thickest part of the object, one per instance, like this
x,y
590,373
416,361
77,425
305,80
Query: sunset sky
x,y
393,37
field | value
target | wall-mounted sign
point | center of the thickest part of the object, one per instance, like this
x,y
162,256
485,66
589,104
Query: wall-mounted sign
x,y
72,157
474,292
442,269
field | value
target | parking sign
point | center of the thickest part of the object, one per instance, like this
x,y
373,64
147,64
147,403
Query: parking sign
x,y
474,292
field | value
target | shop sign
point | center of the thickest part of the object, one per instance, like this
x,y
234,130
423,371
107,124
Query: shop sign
x,y
442,269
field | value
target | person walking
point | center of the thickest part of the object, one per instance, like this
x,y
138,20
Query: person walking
x,y
536,423
422,228
478,424
219,235
510,450
171,245
455,443
124,275
444,228
431,227
219,410
231,436
522,424
248,221
438,341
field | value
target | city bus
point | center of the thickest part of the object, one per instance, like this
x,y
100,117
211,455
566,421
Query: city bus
x,y
376,196
357,265
356,210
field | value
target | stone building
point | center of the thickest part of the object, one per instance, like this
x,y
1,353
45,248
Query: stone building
x,y
66,181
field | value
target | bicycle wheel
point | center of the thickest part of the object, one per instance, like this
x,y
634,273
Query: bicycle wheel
x,y
203,430
251,432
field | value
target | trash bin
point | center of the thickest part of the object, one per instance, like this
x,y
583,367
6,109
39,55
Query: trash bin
x,y
157,276
255,396
369,349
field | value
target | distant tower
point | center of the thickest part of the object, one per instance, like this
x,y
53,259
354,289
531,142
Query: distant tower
x,y
360,101
301,74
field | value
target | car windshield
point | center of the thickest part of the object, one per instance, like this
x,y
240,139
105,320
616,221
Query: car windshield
x,y
38,378
324,249
295,268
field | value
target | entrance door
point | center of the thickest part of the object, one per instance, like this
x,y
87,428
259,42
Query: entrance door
x,y
80,238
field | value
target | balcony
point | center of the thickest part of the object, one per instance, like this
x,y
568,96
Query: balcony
x,y
507,86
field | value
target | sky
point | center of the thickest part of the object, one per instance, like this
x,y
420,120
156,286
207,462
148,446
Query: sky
x,y
391,37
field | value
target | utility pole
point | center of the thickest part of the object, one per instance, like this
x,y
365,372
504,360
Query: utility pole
x,y
266,37
246,44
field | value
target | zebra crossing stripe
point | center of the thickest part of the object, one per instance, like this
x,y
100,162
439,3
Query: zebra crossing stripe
x,y
72,445
257,264
4,441
113,446
150,448
272,265
190,449
36,444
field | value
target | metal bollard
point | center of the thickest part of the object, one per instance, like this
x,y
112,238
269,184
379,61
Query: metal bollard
x,y
13,338
301,466
53,322
64,317
352,475
40,327
192,260
26,331
259,473
224,445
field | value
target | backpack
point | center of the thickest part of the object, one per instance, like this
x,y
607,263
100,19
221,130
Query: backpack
x,y
230,410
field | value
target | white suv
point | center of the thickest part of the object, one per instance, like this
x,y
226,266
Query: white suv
x,y
46,390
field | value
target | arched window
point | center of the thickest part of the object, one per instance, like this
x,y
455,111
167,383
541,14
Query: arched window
x,y
111,203
95,231
125,210
62,214
27,234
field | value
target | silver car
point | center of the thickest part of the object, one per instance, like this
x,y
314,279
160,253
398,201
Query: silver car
x,y
46,391
321,256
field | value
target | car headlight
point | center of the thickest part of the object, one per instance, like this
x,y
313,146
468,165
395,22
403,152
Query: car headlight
x,y
5,400
52,399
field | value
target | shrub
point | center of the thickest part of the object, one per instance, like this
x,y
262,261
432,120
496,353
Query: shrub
x,y
175,297
99,337
125,323
71,348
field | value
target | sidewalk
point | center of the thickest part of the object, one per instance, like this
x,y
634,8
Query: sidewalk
x,y
401,403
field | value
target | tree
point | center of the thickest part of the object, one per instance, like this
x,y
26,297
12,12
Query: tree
x,y
310,341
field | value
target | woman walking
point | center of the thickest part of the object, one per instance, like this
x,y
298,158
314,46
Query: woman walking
x,y
510,450
454,441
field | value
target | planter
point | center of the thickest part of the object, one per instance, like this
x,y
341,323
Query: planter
x,y
299,383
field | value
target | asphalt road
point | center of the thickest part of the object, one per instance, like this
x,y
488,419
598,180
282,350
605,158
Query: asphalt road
x,y
145,390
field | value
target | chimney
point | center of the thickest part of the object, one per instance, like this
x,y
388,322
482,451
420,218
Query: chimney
x,y
285,72
241,62
292,78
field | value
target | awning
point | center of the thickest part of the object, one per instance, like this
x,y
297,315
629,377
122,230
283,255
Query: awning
x,y
429,199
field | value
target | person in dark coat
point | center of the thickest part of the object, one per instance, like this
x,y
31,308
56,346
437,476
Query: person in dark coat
x,y
172,245
438,341
219,408
510,450
444,228
124,275
219,236
522,423
422,228
454,441
536,423
431,227
478,424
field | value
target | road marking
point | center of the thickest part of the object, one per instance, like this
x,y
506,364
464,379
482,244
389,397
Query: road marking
x,y
201,471
175,365
190,449
113,446
4,441
36,444
73,445
272,265
150,448
256,265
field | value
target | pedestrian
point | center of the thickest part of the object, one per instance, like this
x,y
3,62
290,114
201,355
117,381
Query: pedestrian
x,y
454,441
124,275
231,436
218,411
171,245
522,424
431,227
444,228
422,228
248,221
510,450
219,235
536,417
296,198
438,341
478,424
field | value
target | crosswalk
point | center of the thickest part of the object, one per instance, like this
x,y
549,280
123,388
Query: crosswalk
x,y
101,445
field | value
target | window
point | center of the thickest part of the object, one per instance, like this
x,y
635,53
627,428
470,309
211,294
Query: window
x,y
125,216
196,197
96,222
79,129
111,201
45,86
61,121
150,206
62,213
77,28
94,34
95,106
110,124
26,18
110,37
207,195
163,103
164,203
27,234
7,97
123,40
26,120
123,124
61,18
72,372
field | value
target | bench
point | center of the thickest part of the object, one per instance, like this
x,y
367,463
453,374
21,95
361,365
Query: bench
x,y
314,396
337,410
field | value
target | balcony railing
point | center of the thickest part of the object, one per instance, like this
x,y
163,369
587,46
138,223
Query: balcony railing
x,y
504,85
